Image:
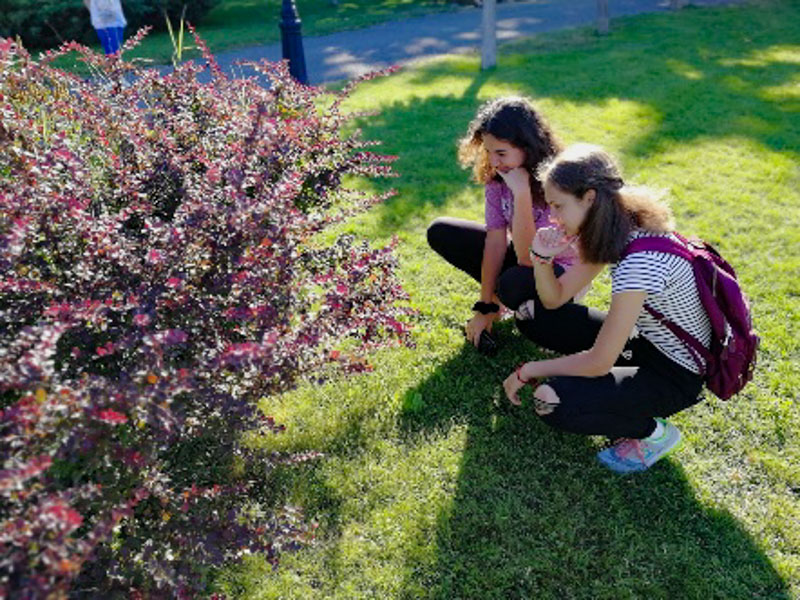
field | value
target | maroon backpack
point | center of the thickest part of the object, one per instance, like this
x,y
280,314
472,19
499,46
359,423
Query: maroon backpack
x,y
730,361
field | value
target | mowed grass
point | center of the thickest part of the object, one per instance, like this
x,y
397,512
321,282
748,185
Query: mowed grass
x,y
430,485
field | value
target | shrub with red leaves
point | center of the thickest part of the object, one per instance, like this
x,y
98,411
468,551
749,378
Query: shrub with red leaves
x,y
162,267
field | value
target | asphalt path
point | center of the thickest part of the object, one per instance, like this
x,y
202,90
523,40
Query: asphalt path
x,y
348,54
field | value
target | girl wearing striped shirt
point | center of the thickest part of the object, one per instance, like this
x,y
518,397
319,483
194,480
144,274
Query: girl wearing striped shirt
x,y
622,372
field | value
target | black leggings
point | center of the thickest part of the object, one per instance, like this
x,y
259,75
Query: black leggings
x,y
644,383
461,243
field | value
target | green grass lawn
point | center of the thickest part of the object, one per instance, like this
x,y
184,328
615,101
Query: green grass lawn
x,y
430,485
240,23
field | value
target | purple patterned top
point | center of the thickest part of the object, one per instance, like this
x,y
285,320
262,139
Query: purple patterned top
x,y
500,213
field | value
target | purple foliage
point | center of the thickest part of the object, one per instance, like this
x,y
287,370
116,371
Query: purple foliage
x,y
161,269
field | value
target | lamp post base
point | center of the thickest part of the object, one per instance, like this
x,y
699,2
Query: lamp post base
x,y
292,41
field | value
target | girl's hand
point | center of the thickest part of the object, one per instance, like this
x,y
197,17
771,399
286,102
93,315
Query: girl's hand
x,y
551,241
512,385
477,324
516,179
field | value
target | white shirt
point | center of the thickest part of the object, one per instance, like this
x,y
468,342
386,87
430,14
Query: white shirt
x,y
106,13
671,290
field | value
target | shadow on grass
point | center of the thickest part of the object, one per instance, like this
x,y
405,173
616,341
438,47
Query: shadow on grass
x,y
534,516
703,74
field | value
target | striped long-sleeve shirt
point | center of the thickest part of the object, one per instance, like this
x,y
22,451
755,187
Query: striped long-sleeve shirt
x,y
671,290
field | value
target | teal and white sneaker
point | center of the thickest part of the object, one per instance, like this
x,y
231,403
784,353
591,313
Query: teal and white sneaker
x,y
631,456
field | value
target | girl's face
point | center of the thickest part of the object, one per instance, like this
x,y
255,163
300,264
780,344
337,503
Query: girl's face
x,y
567,210
503,157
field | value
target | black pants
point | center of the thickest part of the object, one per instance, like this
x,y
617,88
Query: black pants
x,y
644,383
461,243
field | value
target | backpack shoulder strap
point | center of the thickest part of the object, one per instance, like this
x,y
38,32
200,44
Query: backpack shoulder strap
x,y
659,244
692,344
670,246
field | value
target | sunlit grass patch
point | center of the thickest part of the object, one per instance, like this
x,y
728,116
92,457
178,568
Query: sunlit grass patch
x,y
431,487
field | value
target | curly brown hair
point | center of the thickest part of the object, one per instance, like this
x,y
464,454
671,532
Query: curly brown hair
x,y
617,208
512,119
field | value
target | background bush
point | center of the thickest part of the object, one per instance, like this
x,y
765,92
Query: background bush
x,y
164,264
48,23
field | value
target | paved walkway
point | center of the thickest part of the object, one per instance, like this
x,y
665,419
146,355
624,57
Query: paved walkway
x,y
348,54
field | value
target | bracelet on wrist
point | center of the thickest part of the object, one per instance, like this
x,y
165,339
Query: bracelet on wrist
x,y
485,308
519,376
540,258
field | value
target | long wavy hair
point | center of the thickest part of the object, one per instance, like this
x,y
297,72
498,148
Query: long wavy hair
x,y
512,119
617,208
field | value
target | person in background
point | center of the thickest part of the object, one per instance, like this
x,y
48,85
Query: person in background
x,y
109,22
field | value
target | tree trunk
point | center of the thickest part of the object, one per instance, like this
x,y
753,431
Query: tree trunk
x,y
602,17
489,34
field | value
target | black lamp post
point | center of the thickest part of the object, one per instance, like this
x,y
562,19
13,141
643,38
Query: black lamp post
x,y
292,41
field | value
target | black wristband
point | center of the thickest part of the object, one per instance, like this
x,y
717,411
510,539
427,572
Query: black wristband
x,y
485,308
542,258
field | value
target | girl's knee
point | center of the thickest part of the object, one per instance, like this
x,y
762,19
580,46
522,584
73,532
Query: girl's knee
x,y
514,286
436,233
502,290
545,400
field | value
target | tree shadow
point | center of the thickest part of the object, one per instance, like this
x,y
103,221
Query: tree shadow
x,y
534,516
695,86
700,83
